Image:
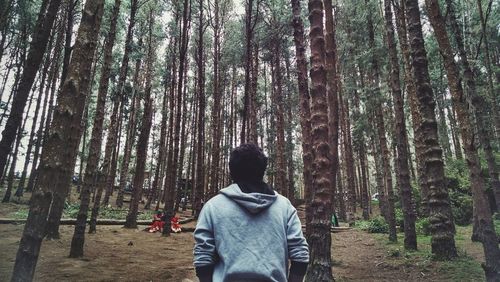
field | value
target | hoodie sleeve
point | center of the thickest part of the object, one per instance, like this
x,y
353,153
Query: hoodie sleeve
x,y
205,253
298,250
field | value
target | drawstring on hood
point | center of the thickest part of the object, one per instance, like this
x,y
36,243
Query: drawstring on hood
x,y
253,202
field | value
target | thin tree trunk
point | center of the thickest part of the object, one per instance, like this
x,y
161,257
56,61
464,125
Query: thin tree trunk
x,y
97,128
403,172
142,142
200,152
305,109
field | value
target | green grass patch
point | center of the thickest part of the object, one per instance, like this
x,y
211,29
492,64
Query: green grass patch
x,y
71,211
463,268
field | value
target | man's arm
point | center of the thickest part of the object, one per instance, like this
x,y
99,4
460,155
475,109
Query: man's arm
x,y
205,254
298,250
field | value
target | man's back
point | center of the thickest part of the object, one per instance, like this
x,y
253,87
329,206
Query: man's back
x,y
249,236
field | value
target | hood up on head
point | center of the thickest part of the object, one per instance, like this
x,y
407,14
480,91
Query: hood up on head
x,y
253,202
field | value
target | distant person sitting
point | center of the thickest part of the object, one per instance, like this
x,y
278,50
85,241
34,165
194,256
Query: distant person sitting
x,y
248,232
175,226
158,223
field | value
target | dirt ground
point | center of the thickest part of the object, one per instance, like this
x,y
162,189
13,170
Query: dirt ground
x,y
116,253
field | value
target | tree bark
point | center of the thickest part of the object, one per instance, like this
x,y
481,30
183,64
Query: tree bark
x,y
319,237
97,128
305,105
57,163
403,172
441,219
481,205
41,34
142,142
485,133
331,91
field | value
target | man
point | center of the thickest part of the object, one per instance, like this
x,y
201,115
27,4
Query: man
x,y
248,232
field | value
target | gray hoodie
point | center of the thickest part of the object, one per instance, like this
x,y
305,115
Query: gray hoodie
x,y
249,236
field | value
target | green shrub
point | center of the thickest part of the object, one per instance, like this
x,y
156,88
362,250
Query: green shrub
x,y
422,226
374,225
461,206
71,210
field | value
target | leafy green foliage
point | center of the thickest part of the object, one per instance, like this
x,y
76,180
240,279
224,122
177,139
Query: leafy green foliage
x,y
422,226
374,225
457,179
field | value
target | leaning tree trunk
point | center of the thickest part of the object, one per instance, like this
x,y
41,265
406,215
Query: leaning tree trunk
x,y
56,165
99,115
320,264
41,35
441,219
485,133
489,72
481,204
112,137
403,175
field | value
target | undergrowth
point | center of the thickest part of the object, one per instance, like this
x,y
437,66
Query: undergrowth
x,y
71,211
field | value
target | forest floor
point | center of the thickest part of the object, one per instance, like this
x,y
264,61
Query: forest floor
x,y
116,253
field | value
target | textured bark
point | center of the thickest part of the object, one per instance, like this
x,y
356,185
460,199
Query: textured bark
x,y
97,128
57,163
249,28
491,88
481,205
12,169
319,237
376,101
160,166
412,97
41,34
485,133
200,168
280,184
349,158
305,106
441,219
111,141
331,91
290,147
253,107
403,172
216,110
45,70
142,142
173,169
130,137
59,196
